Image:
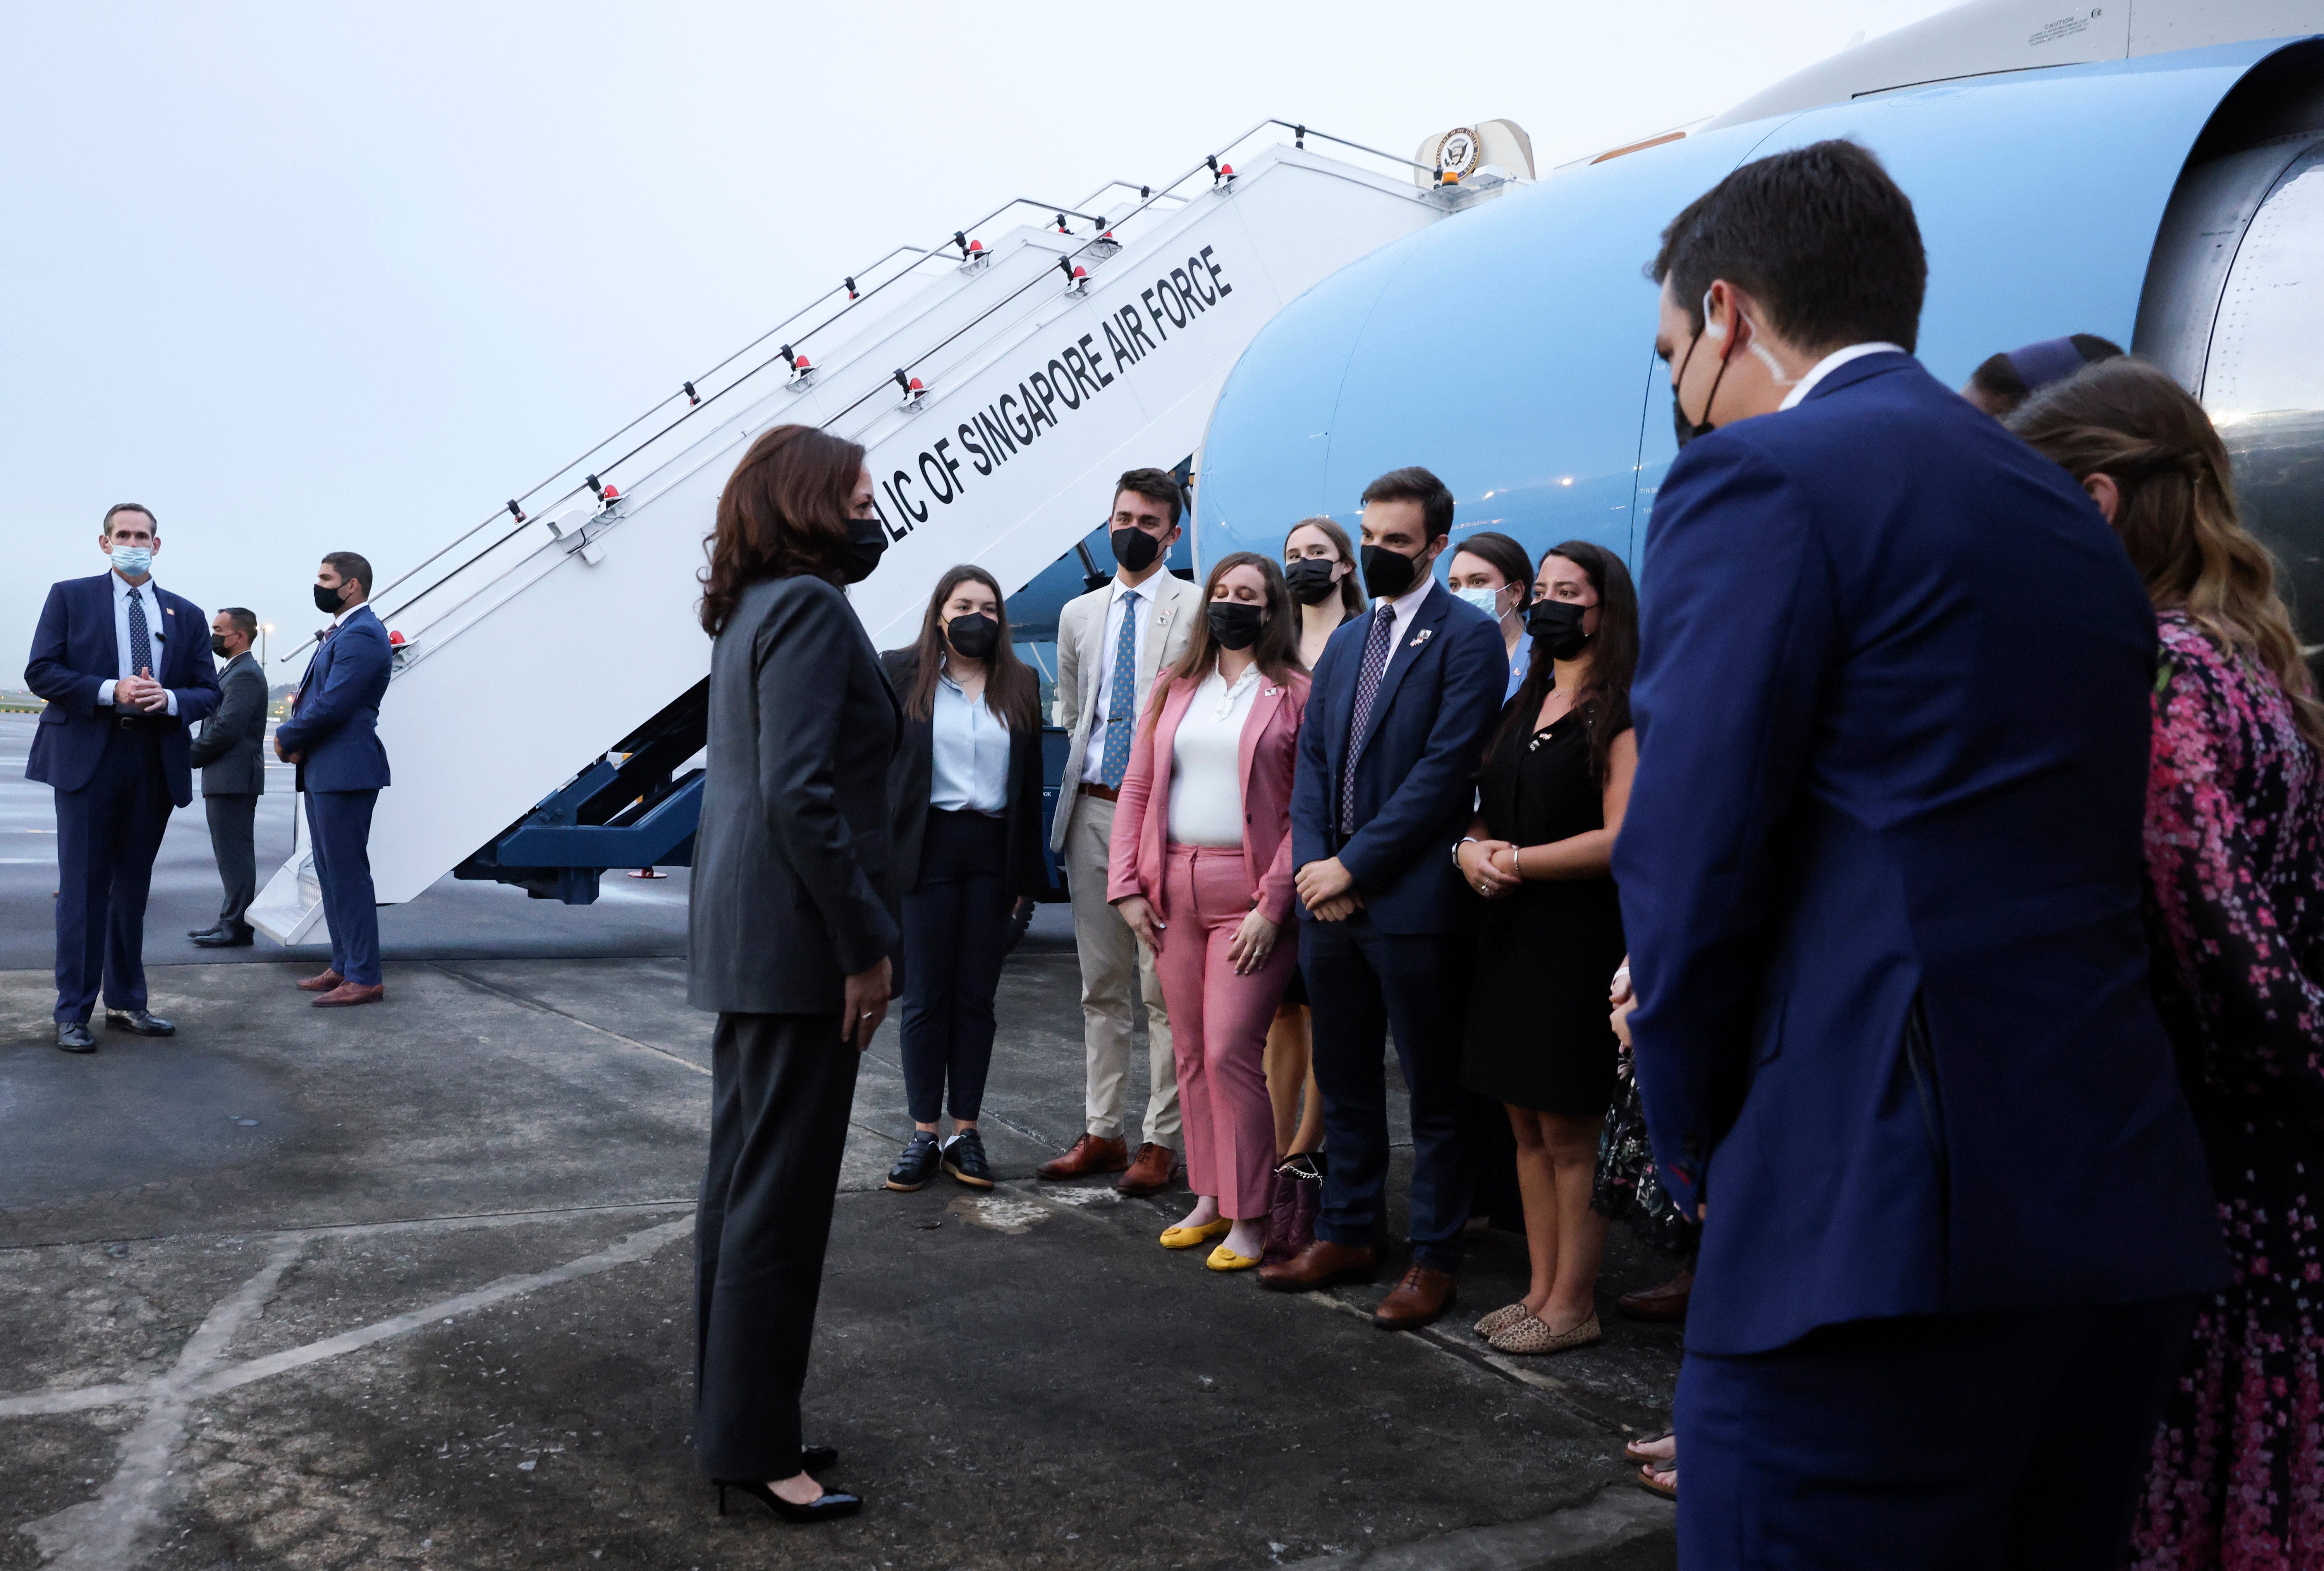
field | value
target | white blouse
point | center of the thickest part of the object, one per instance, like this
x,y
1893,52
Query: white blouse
x,y
1206,764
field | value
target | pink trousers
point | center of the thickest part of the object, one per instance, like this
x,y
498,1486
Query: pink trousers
x,y
1218,1025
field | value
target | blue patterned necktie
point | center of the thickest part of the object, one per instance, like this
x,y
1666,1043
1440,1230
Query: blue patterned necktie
x,y
1367,683
1121,698
141,642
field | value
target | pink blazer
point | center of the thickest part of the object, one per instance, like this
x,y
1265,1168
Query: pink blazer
x,y
1270,746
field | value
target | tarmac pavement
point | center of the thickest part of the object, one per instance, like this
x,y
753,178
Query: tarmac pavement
x,y
408,1286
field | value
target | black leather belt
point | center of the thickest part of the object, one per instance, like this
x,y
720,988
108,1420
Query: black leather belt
x,y
145,722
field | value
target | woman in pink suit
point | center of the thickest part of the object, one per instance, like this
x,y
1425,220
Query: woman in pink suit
x,y
1201,870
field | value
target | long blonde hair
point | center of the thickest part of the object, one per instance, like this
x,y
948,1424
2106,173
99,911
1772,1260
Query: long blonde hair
x,y
2127,420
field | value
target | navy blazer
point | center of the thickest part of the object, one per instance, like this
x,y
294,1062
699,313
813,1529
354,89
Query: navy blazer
x,y
336,722
75,650
1880,874
1416,764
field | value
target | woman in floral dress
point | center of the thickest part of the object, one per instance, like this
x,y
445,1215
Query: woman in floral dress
x,y
2235,856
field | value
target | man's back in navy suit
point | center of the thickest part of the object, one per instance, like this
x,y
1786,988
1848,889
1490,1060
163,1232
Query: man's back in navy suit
x,y
1396,724
1880,875
117,765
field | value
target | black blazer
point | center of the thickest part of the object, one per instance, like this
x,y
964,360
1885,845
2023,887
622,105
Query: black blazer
x,y
792,887
228,748
912,776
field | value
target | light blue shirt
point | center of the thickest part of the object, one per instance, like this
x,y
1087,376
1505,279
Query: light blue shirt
x,y
157,634
970,748
1520,659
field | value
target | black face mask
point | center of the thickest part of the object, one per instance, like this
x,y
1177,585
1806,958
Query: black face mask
x,y
1387,573
1235,623
327,601
1557,625
1133,548
867,541
218,644
972,635
1311,580
1703,428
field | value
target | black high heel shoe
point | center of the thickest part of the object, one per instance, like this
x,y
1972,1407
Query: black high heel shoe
x,y
821,1510
817,1458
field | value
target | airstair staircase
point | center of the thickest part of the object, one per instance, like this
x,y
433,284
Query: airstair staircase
x,y
549,671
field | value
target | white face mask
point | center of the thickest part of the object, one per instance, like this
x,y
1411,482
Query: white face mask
x,y
1488,601
132,561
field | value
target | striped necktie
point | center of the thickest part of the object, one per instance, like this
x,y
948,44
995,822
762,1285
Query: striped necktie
x,y
1367,684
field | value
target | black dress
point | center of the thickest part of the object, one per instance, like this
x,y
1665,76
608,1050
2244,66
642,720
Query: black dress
x,y
1537,1030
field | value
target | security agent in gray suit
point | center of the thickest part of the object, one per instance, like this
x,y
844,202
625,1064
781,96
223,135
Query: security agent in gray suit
x,y
229,751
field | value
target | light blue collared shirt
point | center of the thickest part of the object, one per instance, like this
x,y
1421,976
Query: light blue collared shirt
x,y
157,634
1520,657
970,745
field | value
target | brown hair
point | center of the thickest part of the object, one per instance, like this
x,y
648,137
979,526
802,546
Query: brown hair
x,y
1011,689
130,507
348,565
1605,691
783,512
1277,648
1414,484
1155,485
1351,586
1500,553
2127,420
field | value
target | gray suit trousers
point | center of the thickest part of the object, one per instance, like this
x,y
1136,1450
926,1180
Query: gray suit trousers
x,y
232,820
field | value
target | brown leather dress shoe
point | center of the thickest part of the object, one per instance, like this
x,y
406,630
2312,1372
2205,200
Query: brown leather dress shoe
x,y
1425,1293
1150,1170
351,993
321,982
1666,1302
1089,1154
1322,1264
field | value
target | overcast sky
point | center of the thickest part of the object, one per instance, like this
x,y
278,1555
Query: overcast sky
x,y
311,278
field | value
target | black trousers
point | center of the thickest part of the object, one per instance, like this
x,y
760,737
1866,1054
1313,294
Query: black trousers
x,y
780,1088
1928,1443
1364,985
233,842
955,938
107,833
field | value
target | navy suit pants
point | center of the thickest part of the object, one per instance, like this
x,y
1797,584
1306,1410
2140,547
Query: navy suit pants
x,y
339,824
107,833
1928,1443
1363,987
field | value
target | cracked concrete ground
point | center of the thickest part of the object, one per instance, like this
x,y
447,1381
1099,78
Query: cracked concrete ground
x,y
408,1285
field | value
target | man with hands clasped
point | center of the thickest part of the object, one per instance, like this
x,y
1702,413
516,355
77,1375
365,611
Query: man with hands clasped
x,y
125,667
1388,761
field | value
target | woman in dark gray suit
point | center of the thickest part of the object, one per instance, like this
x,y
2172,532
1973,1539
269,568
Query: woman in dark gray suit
x,y
792,926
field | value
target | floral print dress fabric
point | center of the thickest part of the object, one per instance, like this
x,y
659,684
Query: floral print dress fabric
x,y
2235,856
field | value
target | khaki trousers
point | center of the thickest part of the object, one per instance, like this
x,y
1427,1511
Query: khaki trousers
x,y
1115,969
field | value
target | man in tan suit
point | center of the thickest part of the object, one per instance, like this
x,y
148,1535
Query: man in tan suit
x,y
1110,643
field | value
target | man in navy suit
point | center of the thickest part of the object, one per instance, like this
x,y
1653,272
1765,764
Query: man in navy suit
x,y
1880,875
333,737
126,667
1388,760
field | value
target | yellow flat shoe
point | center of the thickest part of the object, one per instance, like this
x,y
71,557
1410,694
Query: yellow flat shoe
x,y
1188,1237
1223,1258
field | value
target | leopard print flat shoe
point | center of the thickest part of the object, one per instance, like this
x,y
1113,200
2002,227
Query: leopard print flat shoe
x,y
1533,1336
